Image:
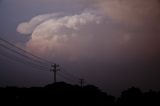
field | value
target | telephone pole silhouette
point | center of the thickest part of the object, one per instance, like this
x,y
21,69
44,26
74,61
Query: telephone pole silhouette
x,y
82,81
55,70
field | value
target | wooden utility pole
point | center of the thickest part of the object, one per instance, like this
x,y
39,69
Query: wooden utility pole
x,y
81,82
54,70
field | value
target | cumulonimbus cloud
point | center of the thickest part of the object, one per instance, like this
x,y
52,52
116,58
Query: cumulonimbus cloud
x,y
120,37
50,34
96,32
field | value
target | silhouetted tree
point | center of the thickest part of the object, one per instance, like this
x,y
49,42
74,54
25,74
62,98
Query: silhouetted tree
x,y
62,93
132,96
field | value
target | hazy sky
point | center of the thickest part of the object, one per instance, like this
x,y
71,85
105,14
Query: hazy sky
x,y
112,43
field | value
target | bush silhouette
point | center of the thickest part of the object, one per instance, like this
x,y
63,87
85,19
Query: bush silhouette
x,y
62,93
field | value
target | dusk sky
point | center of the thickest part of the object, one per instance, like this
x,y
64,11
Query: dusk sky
x,y
113,44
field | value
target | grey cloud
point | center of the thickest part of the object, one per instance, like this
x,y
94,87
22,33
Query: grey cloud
x,y
129,11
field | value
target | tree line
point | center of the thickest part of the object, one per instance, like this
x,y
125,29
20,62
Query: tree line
x,y
61,93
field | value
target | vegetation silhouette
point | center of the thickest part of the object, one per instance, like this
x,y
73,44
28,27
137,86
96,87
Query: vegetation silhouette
x,y
61,93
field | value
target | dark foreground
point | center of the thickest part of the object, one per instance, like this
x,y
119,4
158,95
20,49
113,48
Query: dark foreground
x,y
62,94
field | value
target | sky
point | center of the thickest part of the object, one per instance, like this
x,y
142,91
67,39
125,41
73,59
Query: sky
x,y
113,44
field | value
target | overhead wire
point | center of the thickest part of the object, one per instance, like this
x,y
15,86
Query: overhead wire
x,y
26,52
17,59
14,51
33,60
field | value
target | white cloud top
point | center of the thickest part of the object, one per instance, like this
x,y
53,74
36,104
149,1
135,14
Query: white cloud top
x,y
49,33
28,27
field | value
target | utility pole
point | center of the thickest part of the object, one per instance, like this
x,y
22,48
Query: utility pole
x,y
81,82
55,69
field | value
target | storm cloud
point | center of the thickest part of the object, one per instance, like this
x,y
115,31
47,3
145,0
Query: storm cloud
x,y
128,11
119,36
135,25
51,34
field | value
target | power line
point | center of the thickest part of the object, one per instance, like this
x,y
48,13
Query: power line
x,y
33,65
25,53
39,58
69,74
33,60
21,62
21,55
